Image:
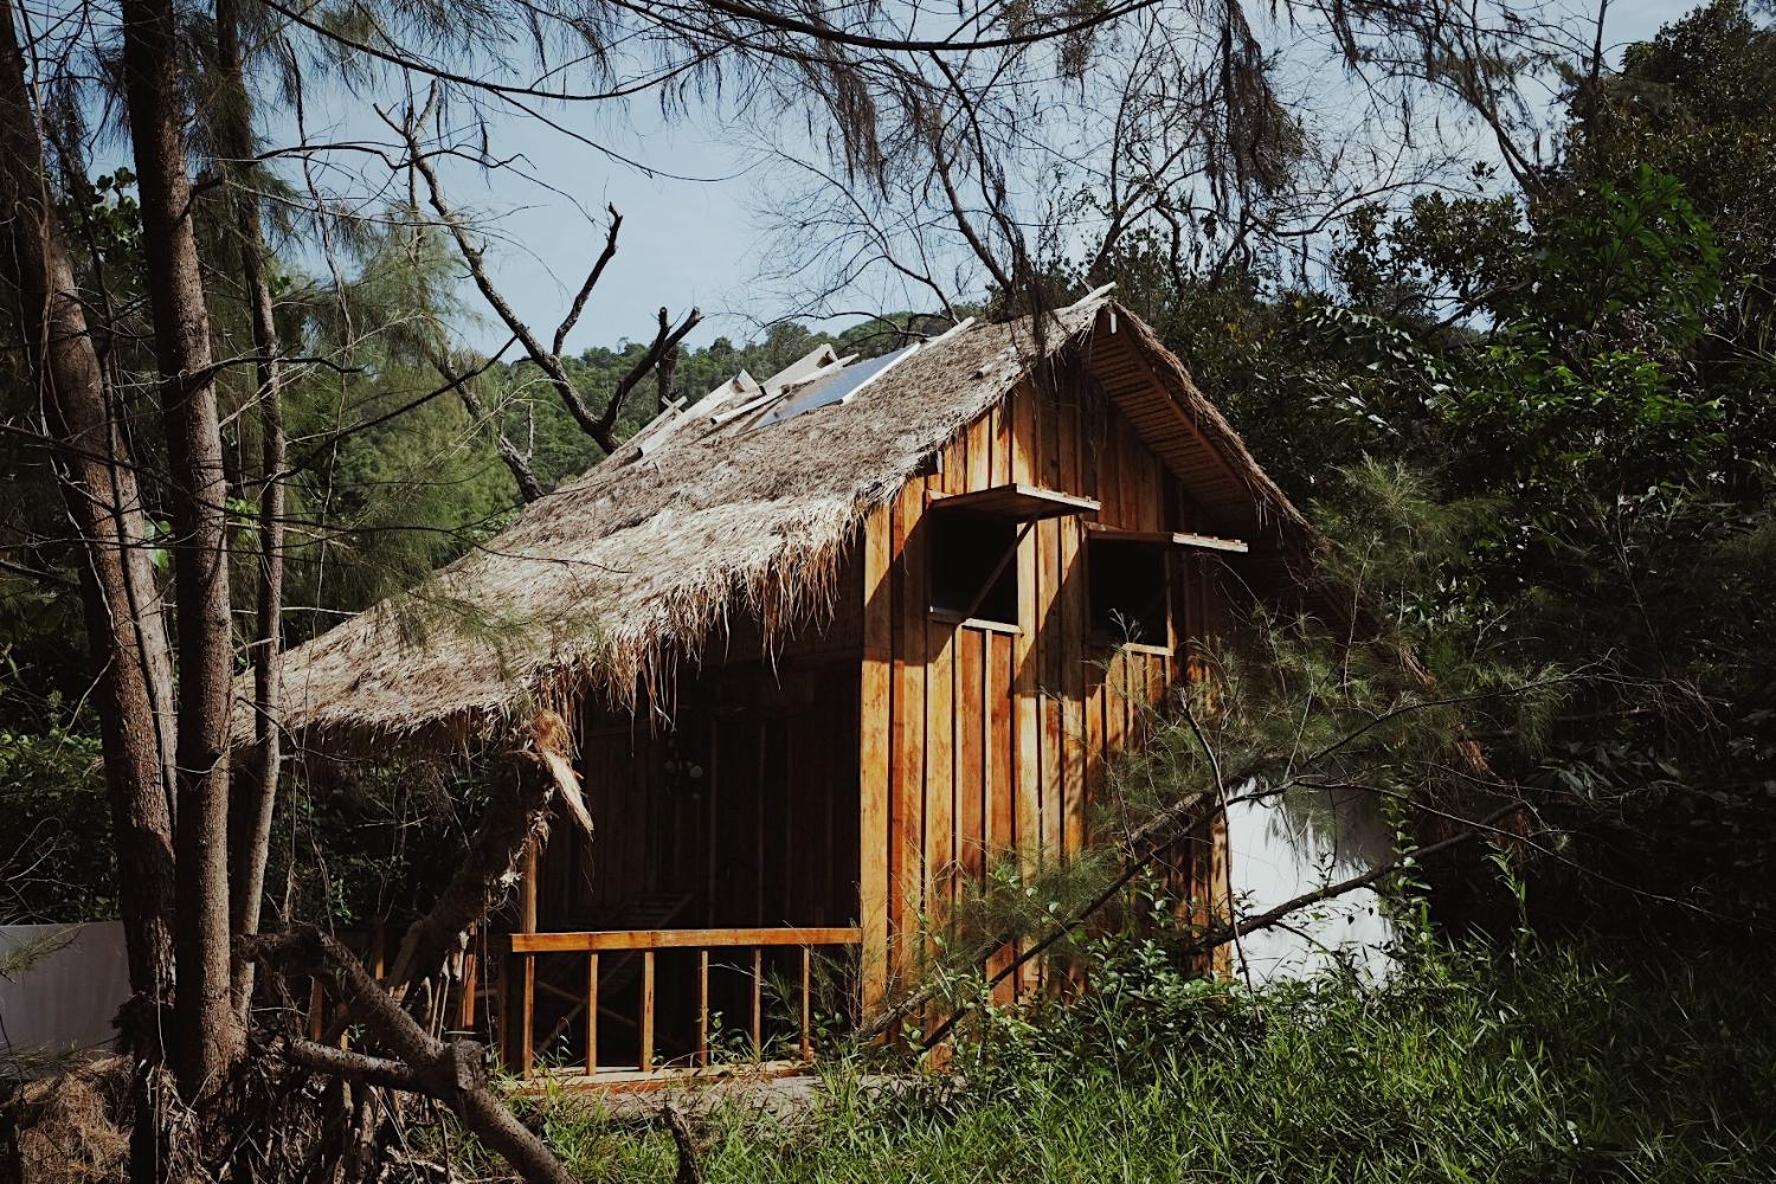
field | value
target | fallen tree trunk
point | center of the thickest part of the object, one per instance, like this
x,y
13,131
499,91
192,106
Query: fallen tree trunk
x,y
344,1062
451,1072
543,775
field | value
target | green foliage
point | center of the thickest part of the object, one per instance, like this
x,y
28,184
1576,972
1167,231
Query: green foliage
x,y
1634,248
1526,1065
1693,102
55,853
1537,428
372,842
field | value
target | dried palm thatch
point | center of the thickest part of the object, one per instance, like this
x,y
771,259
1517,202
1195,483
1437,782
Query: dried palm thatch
x,y
72,1126
614,578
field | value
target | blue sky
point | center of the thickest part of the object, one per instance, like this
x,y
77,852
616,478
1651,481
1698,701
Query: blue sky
x,y
684,241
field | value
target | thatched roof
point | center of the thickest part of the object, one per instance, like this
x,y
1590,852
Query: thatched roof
x,y
633,565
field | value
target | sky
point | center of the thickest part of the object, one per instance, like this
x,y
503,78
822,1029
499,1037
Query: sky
x,y
694,228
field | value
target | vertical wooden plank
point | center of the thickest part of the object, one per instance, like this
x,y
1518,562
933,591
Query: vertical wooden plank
x,y
980,454
1134,460
713,792
1028,761
1121,492
972,711
876,736
1071,593
647,1011
1048,636
1109,471
1003,430
1024,460
703,1008
830,883
1220,899
1090,426
758,1003
1071,442
940,729
1132,684
1001,807
465,1016
1115,702
1073,680
793,874
1138,506
1176,667
591,1015
1153,491
953,473
526,966
908,762
1027,714
1096,763
1048,416
995,467
1050,644
502,1011
807,1004
761,797
527,1017
527,922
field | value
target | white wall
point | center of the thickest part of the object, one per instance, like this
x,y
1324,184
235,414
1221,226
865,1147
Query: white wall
x,y
66,1000
1281,849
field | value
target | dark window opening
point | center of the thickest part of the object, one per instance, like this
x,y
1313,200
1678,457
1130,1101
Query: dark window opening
x,y
966,551
1127,591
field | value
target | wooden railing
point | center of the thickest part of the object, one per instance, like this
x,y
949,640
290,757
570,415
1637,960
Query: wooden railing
x,y
526,947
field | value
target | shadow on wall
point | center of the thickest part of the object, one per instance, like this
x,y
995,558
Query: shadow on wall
x,y
60,987
1282,849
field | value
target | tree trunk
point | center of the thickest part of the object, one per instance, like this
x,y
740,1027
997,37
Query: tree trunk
x,y
255,792
126,632
208,1039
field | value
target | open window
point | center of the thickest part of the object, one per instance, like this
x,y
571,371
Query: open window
x,y
972,552
973,559
1128,575
1127,589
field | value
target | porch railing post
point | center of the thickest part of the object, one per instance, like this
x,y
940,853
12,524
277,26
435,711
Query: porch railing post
x,y
647,1011
758,1003
471,972
502,1009
807,1003
527,1023
592,1015
703,1009
527,923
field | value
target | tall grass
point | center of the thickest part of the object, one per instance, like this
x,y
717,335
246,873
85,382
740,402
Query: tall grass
x,y
1518,1065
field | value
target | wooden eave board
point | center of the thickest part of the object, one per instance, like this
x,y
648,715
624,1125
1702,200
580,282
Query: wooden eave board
x,y
1168,429
1176,538
1017,500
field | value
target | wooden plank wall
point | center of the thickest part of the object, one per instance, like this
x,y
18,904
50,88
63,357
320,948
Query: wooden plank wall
x,y
739,791
979,742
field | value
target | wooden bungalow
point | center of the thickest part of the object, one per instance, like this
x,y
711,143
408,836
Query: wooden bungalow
x,y
829,646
